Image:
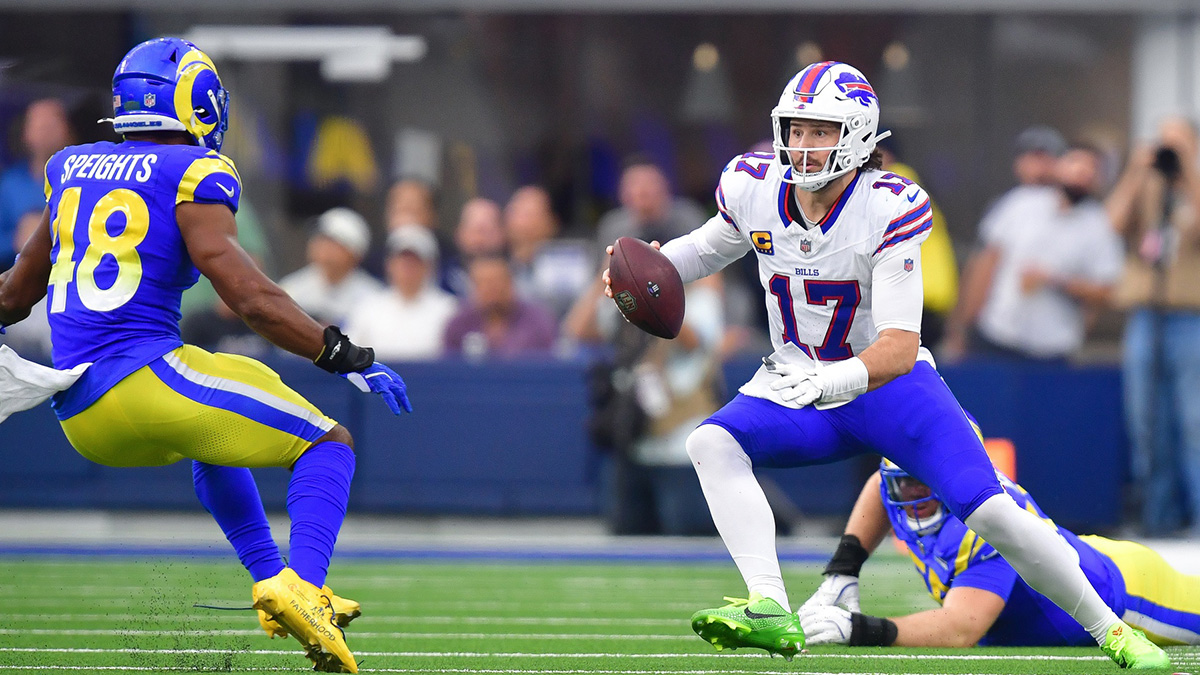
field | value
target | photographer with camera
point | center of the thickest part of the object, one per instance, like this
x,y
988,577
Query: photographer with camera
x,y
1155,206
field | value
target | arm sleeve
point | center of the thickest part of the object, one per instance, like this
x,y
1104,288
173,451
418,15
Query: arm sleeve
x,y
897,292
707,249
211,179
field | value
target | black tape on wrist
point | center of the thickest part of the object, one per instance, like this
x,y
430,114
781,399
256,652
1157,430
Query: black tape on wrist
x,y
871,631
849,557
340,355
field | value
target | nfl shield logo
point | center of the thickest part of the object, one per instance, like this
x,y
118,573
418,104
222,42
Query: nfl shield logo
x,y
148,100
908,264
805,245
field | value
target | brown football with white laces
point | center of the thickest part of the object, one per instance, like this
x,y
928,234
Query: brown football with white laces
x,y
646,287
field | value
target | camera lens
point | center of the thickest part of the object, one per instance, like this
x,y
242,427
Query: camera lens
x,y
1166,161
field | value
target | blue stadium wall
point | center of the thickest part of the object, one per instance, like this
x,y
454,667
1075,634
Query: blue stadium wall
x,y
509,439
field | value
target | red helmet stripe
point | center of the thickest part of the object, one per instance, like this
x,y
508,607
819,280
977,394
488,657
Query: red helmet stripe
x,y
807,86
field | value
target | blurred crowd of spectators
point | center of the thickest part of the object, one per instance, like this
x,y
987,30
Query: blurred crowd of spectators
x,y
1054,252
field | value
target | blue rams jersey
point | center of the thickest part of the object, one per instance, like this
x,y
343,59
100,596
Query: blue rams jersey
x,y
119,261
955,556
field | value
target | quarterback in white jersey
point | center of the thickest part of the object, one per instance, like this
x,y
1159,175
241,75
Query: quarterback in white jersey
x,y
832,284
838,247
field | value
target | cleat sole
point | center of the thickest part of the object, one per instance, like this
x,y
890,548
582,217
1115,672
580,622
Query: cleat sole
x,y
725,634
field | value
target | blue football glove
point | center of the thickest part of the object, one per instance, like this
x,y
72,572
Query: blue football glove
x,y
384,381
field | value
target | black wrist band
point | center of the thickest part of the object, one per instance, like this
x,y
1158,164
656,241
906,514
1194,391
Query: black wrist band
x,y
849,557
340,355
871,631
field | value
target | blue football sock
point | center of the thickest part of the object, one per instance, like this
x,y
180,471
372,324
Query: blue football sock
x,y
230,495
317,498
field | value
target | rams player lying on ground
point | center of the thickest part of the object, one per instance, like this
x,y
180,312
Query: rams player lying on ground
x,y
983,600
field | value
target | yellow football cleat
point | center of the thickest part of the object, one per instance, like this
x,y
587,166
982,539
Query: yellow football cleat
x,y
305,612
345,610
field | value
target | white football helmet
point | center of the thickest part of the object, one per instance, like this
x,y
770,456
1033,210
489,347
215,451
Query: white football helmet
x,y
833,92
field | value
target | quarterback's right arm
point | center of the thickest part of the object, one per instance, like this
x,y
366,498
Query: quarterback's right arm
x,y
706,250
25,284
718,242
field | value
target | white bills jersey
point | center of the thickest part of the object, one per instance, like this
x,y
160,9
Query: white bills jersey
x,y
819,280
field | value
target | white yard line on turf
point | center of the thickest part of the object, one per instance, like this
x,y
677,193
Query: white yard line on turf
x,y
578,655
356,634
441,620
466,670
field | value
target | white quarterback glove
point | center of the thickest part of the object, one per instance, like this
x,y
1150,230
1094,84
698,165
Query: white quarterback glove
x,y
831,385
838,590
797,383
825,625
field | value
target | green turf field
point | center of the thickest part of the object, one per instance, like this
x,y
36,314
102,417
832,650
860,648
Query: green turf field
x,y
103,615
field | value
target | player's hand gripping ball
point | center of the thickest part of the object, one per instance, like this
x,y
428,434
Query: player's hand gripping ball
x,y
646,287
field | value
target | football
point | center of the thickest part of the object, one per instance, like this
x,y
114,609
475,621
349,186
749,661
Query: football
x,y
646,287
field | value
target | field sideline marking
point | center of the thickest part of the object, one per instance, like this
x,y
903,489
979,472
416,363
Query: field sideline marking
x,y
899,657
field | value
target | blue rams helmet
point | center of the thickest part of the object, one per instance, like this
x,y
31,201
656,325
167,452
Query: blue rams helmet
x,y
906,499
168,84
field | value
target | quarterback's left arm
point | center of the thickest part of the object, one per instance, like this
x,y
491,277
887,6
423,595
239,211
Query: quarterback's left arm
x,y
25,284
965,617
897,297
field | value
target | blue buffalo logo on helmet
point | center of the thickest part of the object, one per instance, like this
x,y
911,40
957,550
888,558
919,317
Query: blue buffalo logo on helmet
x,y
857,88
168,84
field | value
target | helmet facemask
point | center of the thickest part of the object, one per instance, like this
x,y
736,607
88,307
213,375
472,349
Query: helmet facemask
x,y
911,502
830,92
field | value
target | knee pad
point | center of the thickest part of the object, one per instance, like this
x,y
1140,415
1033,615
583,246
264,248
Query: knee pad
x,y
710,444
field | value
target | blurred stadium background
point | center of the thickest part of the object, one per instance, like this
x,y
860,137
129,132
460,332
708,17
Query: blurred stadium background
x,y
333,103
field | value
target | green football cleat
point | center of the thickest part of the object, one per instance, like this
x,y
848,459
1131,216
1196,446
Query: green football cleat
x,y
755,622
1130,648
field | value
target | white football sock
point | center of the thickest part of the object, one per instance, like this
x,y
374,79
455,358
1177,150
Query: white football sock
x,y
1043,559
739,509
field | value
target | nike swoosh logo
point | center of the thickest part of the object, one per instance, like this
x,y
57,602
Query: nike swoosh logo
x,y
229,191
911,198
756,615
